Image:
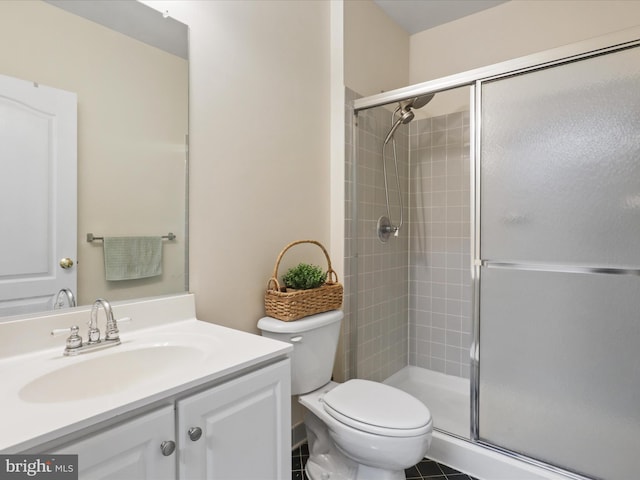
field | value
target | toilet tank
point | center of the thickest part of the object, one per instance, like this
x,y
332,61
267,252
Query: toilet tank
x,y
315,340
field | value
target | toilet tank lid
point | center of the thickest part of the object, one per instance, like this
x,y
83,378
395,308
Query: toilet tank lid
x,y
270,324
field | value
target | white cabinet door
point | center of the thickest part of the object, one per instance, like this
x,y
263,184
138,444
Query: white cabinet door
x,y
245,426
128,451
38,214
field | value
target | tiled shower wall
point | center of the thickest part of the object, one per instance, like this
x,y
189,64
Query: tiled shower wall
x,y
440,264
410,297
382,283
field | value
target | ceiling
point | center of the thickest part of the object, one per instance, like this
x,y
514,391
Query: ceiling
x,y
417,15
412,15
134,19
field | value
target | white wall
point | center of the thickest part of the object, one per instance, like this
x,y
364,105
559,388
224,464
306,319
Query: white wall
x,y
260,114
514,29
260,143
376,49
374,44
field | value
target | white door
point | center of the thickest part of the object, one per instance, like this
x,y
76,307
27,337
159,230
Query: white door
x,y
240,430
140,449
38,193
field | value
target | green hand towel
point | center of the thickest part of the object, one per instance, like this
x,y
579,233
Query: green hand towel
x,y
129,258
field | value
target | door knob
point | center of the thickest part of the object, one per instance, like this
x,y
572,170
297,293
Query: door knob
x,y
66,263
167,447
195,433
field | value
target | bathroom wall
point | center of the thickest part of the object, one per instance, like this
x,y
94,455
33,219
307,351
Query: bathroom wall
x,y
259,152
260,157
376,49
514,29
510,30
440,262
247,197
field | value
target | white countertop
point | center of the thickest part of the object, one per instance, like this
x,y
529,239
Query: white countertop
x,y
39,402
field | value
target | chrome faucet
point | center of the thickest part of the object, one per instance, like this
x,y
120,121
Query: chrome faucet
x,y
112,333
75,345
64,294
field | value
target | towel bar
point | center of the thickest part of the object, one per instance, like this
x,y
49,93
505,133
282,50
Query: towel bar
x,y
91,237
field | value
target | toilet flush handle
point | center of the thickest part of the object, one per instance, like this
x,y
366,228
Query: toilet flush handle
x,y
296,339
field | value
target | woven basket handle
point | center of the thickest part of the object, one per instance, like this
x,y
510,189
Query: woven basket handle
x,y
273,284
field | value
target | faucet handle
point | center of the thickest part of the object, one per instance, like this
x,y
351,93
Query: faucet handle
x,y
74,340
112,332
61,331
93,334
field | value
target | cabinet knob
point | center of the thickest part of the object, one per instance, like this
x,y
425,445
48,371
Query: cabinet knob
x,y
167,447
195,433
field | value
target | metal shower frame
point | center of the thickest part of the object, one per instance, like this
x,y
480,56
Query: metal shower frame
x,y
474,79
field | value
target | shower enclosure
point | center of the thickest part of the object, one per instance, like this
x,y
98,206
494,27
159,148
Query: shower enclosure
x,y
509,300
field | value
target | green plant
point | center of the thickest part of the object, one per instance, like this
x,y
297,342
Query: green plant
x,y
304,276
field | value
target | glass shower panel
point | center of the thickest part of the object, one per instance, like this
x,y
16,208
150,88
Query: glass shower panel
x,y
560,153
411,312
559,368
559,281
381,268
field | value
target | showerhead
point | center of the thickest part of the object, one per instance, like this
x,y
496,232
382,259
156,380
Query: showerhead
x,y
405,113
417,102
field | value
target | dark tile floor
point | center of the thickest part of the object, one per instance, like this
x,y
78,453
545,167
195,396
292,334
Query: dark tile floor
x,y
434,471
426,469
299,458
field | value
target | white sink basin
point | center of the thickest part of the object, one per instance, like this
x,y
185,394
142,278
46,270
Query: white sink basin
x,y
165,352
115,371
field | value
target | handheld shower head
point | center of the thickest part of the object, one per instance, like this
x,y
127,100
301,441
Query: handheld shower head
x,y
406,115
405,112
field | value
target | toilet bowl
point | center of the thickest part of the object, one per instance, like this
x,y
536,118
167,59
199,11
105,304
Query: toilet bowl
x,y
378,437
357,430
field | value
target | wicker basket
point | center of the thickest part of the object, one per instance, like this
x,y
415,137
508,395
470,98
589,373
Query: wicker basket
x,y
289,304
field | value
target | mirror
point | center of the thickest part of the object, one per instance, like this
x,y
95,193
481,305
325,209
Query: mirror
x,y
132,125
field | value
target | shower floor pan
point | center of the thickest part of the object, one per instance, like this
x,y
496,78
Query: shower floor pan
x,y
447,398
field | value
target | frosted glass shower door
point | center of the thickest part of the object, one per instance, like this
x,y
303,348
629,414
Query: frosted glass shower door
x,y
559,364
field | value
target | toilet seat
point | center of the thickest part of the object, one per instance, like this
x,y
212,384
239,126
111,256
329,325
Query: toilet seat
x,y
377,408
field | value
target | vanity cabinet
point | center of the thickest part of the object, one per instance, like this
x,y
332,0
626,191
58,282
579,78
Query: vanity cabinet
x,y
238,429
129,450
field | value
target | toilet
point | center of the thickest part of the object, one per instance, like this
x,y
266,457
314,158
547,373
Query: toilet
x,y
356,430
